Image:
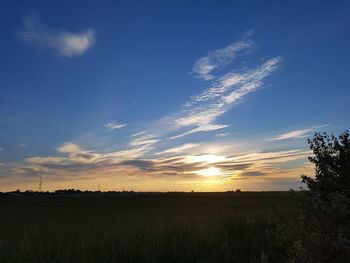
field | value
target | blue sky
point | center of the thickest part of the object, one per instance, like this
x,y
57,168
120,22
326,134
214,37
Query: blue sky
x,y
169,95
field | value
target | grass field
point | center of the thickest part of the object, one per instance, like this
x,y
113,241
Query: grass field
x,y
163,227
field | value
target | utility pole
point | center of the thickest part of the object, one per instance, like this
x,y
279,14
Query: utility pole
x,y
40,183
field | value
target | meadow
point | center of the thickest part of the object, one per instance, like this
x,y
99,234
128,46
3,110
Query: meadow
x,y
144,227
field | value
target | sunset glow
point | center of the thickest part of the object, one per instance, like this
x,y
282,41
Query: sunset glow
x,y
167,100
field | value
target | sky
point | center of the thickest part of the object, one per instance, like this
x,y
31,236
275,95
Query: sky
x,y
169,95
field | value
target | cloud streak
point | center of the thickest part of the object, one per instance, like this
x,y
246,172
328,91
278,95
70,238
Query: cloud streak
x,y
296,134
179,149
63,43
111,126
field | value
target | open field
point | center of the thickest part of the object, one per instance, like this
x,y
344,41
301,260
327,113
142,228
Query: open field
x,y
163,227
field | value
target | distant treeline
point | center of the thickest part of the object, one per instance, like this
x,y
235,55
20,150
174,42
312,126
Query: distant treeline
x,y
61,192
87,192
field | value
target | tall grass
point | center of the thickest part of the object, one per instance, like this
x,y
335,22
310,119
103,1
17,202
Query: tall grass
x,y
227,227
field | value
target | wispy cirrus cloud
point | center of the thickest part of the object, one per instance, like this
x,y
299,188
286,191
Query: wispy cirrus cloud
x,y
111,126
200,128
144,141
200,113
302,133
179,149
203,110
63,43
204,66
137,134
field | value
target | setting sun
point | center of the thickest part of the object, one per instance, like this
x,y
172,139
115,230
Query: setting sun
x,y
207,158
211,171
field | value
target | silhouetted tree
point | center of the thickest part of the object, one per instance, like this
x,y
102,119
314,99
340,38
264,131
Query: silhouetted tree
x,y
322,231
332,161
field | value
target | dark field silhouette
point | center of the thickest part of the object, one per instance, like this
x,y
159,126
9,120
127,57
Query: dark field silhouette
x,y
148,227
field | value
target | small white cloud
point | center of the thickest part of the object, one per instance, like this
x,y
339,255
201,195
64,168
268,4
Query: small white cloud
x,y
63,43
113,126
69,148
70,45
220,135
1,149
